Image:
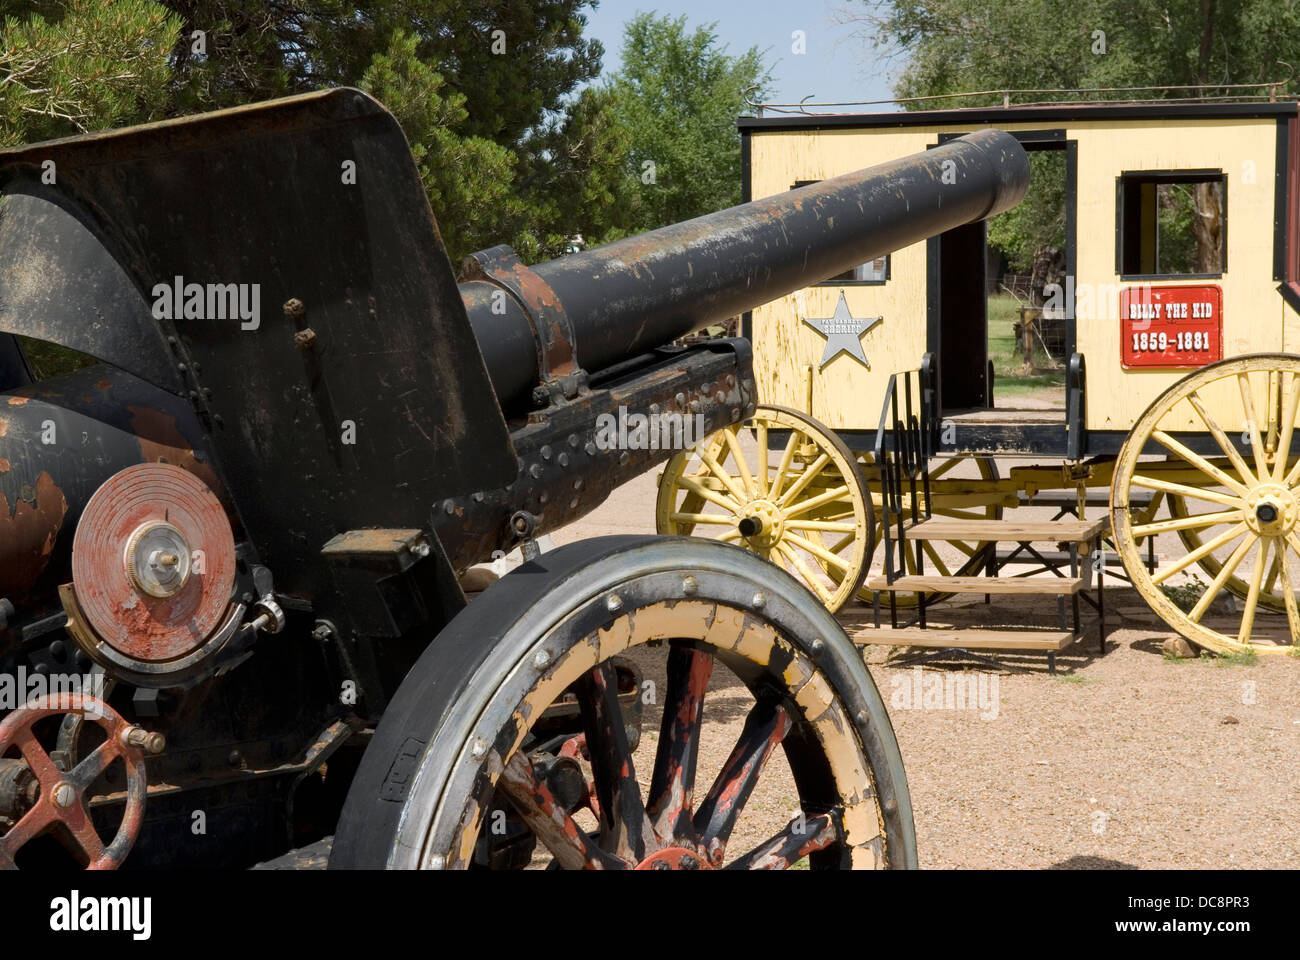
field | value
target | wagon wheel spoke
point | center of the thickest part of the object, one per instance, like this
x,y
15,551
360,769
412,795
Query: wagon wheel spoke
x,y
714,518
1183,490
760,437
944,467
1252,598
827,526
1199,462
1227,536
933,554
725,478
742,466
807,476
1288,594
783,467
818,551
765,727
1290,405
800,837
550,822
1227,446
830,496
1212,591
1194,522
1279,558
804,572
705,493
672,785
625,828
1252,426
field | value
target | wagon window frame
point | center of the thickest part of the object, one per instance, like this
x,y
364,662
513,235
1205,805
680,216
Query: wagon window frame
x,y
838,280
1127,178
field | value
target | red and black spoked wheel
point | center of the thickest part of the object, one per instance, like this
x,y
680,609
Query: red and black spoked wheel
x,y
772,748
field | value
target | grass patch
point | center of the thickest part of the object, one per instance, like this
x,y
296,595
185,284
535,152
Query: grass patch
x,y
1185,596
1010,378
1076,678
1237,658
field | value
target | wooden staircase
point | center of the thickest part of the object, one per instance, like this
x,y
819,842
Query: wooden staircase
x,y
905,487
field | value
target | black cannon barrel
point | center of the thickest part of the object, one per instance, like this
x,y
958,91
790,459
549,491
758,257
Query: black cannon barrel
x,y
632,295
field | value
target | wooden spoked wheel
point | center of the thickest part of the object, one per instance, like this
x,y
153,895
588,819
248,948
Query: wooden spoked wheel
x,y
782,486
1235,501
462,731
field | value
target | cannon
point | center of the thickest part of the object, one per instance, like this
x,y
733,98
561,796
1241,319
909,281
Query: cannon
x,y
232,535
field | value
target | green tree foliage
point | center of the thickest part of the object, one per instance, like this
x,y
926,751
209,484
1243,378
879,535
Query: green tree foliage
x,y
956,46
677,97
66,68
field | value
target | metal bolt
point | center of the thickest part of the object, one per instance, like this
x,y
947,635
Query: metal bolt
x,y
758,602
541,659
563,459
437,862
480,749
690,586
689,862
613,603
577,484
293,308
681,399
65,795
151,743
546,451
420,548
573,440
590,448
535,471
818,645
623,458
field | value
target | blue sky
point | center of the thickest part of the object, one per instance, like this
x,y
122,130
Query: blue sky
x,y
836,66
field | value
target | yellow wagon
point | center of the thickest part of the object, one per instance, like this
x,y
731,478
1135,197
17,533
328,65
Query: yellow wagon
x,y
1170,419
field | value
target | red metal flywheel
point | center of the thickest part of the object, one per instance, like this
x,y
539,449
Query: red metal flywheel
x,y
153,562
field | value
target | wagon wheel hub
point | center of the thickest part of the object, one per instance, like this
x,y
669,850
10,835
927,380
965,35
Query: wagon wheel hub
x,y
762,523
1271,510
674,858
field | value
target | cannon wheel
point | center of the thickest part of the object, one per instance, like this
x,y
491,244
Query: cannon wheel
x,y
1245,506
454,748
809,492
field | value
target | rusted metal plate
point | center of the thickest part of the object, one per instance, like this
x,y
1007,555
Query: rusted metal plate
x,y
111,545
313,199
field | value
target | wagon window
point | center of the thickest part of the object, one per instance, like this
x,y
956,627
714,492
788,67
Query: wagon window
x,y
872,272
1172,224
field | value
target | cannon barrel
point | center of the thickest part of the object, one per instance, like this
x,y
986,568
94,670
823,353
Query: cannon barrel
x,y
632,295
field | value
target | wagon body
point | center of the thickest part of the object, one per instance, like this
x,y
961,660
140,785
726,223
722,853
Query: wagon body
x,y
929,297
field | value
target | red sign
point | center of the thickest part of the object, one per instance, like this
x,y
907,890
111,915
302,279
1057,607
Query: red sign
x,y
1170,326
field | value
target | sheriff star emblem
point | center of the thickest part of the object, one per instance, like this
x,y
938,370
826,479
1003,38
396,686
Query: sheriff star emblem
x,y
843,332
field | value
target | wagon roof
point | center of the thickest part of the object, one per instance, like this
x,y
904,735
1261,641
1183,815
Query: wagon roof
x,y
1056,112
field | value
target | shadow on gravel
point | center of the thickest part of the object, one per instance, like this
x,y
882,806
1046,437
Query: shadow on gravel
x,y
1092,863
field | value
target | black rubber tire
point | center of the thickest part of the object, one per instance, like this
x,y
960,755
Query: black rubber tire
x,y
443,695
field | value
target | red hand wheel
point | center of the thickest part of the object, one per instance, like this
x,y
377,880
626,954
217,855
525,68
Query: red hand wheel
x,y
62,794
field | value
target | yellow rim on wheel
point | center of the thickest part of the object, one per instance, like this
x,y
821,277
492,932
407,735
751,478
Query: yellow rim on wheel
x,y
780,485
1226,432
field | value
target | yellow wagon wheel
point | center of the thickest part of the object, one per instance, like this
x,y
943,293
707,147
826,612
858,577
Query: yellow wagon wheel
x,y
964,557
1228,429
777,499
1270,595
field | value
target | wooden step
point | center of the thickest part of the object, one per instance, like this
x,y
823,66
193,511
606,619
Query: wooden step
x,y
967,638
1023,586
1005,531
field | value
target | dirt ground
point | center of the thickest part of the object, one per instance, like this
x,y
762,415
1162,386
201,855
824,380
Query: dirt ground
x,y
1119,761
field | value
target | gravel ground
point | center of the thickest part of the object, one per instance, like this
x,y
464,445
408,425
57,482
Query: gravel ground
x,y
1127,760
